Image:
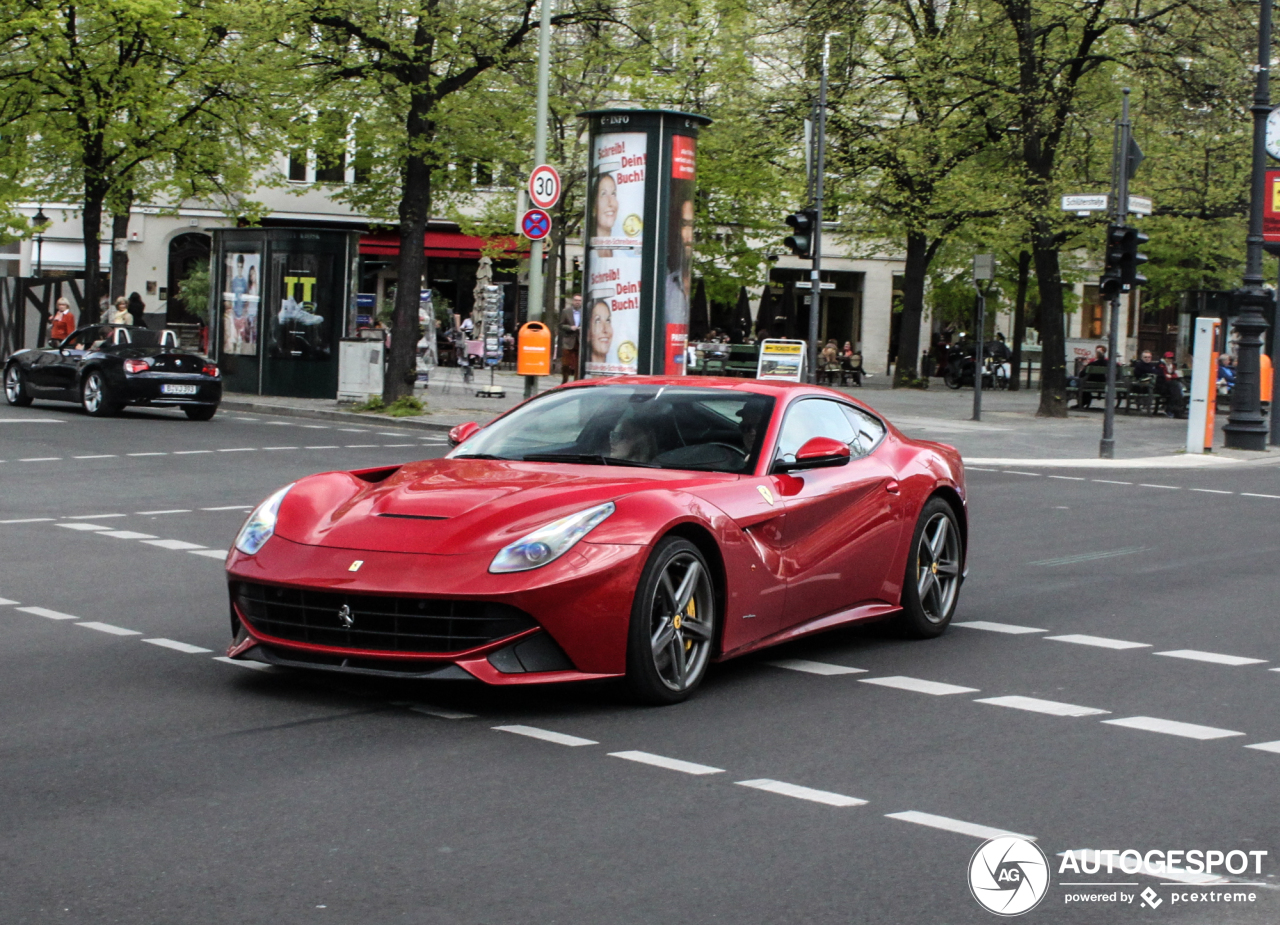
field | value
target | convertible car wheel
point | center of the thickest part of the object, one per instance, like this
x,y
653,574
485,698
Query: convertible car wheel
x,y
672,624
201,412
95,398
932,582
15,387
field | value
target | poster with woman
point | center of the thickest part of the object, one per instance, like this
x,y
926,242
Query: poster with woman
x,y
240,298
617,169
612,324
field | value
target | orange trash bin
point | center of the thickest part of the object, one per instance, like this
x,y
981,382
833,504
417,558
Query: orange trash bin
x,y
533,349
1267,374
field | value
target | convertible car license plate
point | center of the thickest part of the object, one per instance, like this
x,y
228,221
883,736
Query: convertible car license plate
x,y
170,389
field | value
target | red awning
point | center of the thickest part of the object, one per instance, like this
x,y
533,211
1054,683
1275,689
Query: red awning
x,y
438,244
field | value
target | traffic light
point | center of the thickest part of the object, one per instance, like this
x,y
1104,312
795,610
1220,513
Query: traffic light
x,y
1120,266
800,241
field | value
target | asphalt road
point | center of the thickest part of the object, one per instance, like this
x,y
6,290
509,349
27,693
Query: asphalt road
x,y
147,782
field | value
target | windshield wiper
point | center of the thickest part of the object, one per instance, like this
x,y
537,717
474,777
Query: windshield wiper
x,y
591,459
478,456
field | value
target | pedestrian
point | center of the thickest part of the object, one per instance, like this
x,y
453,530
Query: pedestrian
x,y
1170,385
120,314
570,330
137,307
1099,359
63,322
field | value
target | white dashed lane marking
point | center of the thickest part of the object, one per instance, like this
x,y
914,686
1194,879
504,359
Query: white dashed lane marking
x,y
173,544
209,553
546,735
47,613
953,825
4,601
1172,727
808,667
1090,556
94,516
108,628
230,507
256,666
1212,491
83,526
239,449
1149,485
936,688
1069,478
28,520
1250,494
148,454
1048,707
177,646
1110,482
189,452
41,459
128,535
176,510
1102,642
1214,657
670,764
802,793
440,712
1009,628
99,456
1273,747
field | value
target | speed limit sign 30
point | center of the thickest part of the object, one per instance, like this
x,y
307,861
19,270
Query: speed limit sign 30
x,y
544,186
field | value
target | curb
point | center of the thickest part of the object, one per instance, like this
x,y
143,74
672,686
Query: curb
x,y
349,417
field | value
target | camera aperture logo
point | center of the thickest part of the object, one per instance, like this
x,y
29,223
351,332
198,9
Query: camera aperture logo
x,y
1009,875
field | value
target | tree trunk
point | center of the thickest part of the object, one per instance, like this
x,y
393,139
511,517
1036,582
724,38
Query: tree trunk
x,y
1019,318
907,368
415,209
91,228
120,253
1053,365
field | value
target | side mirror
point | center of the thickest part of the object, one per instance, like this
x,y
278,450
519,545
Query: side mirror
x,y
462,433
817,453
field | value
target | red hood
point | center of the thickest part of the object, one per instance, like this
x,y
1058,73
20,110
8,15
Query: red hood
x,y
452,506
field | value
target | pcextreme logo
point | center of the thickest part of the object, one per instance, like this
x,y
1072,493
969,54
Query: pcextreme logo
x,y
1009,875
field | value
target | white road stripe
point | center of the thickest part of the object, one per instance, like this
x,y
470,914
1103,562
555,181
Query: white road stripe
x,y
279,447
28,520
1101,642
1110,482
360,446
176,510
353,430
1014,472
173,544
128,535
822,668
315,426
954,825
50,614
209,553
399,444
1009,628
177,646
83,526
671,764
1172,727
1250,494
1068,478
99,456
1035,705
332,446
146,454
440,712
802,793
93,516
230,507
1149,485
389,433
937,688
41,459
1216,658
546,735
189,452
1266,747
256,666
1090,556
109,628
4,602
1212,491
240,449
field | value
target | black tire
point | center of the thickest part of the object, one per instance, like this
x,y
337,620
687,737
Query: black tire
x,y
200,412
931,585
952,378
669,646
95,396
15,386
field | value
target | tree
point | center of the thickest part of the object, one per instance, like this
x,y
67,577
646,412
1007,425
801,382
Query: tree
x,y
129,98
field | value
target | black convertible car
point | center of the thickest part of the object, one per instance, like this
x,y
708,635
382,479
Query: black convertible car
x,y
105,367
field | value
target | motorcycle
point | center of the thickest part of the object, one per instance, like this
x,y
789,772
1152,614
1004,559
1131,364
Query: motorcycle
x,y
960,366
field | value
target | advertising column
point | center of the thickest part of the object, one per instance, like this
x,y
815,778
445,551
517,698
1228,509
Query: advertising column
x,y
639,242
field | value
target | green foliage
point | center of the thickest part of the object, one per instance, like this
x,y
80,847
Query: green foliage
x,y
194,290
405,406
373,403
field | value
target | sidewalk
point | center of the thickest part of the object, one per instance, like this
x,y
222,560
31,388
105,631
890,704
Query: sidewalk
x,y
1009,433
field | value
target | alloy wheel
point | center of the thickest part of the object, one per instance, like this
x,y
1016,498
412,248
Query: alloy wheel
x,y
13,385
681,626
93,393
938,567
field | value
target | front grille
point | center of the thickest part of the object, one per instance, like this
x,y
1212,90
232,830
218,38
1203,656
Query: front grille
x,y
381,624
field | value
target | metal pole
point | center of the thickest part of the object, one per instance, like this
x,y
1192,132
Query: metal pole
x,y
539,157
978,352
815,277
1246,428
1275,355
39,255
1120,212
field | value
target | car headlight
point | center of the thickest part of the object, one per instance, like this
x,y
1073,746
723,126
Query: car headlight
x,y
546,544
261,523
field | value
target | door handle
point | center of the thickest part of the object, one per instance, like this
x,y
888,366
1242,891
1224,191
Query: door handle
x,y
891,486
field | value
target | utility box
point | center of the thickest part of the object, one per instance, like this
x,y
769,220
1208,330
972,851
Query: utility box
x,y
533,350
359,368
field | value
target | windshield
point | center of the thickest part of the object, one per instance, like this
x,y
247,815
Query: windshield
x,y
664,427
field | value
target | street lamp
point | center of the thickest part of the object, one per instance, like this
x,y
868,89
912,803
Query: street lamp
x,y
41,222
1246,428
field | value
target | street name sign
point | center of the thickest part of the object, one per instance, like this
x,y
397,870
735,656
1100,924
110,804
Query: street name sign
x,y
1085,203
1140,205
544,186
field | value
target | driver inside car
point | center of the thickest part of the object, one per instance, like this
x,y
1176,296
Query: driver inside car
x,y
631,439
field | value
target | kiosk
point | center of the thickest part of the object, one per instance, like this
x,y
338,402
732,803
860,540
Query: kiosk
x,y
639,241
